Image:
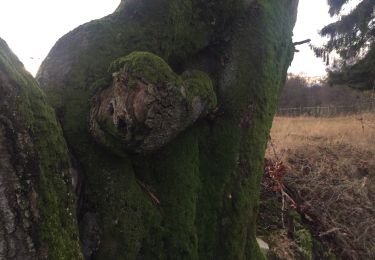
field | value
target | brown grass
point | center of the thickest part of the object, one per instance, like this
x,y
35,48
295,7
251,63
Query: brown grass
x,y
331,174
355,131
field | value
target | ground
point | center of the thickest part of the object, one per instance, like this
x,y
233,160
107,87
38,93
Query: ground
x,y
321,171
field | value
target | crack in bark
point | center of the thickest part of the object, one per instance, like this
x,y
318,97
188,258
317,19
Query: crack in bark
x,y
15,241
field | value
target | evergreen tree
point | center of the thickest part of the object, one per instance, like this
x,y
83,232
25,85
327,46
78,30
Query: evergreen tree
x,y
352,37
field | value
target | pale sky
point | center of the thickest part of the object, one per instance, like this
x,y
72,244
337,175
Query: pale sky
x,y
31,27
312,16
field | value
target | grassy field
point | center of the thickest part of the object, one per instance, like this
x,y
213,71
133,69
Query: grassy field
x,y
326,167
357,132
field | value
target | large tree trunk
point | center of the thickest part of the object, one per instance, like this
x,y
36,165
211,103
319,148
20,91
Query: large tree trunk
x,y
166,107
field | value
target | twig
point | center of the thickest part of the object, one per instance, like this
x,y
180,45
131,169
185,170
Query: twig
x,y
283,211
301,42
329,231
153,198
273,148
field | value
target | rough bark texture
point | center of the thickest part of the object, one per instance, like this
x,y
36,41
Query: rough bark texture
x,y
37,202
147,104
193,193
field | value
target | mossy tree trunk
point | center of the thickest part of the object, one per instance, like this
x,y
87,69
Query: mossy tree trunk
x,y
37,201
166,107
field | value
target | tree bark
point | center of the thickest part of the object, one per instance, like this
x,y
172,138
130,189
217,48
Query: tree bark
x,y
37,203
166,107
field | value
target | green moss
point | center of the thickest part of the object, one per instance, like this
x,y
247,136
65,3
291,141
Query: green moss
x,y
322,251
57,227
305,242
126,212
177,185
199,84
154,70
145,66
301,235
260,54
207,180
306,246
269,214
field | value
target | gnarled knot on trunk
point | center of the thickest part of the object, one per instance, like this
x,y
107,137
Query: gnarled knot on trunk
x,y
147,104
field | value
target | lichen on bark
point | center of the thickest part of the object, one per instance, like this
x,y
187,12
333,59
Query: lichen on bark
x,y
193,196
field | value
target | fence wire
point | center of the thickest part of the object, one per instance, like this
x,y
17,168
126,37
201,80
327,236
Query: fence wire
x,y
326,111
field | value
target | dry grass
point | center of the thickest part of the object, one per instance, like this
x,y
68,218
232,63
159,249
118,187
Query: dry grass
x,y
355,131
282,247
331,174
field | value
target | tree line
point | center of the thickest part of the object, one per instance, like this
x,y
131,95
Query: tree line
x,y
299,92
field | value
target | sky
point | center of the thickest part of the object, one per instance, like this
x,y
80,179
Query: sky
x,y
312,16
31,31
32,27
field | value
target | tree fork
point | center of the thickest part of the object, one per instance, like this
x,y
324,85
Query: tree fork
x,y
225,57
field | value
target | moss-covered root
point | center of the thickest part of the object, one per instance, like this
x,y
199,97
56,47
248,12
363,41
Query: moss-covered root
x,y
147,104
37,205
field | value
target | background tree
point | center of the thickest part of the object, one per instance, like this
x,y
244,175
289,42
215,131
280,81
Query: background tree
x,y
298,92
352,37
166,108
